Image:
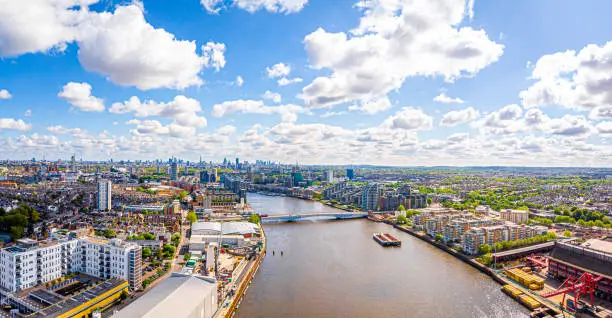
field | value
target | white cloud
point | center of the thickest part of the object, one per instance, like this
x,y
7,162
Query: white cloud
x,y
33,26
273,6
569,125
27,113
278,70
121,45
184,111
212,54
409,118
288,81
131,52
457,117
574,80
239,81
395,40
502,122
331,114
442,98
275,97
288,113
37,140
79,96
4,94
12,124
604,112
605,127
60,130
372,106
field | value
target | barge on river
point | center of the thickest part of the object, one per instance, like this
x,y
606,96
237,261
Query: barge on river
x,y
386,239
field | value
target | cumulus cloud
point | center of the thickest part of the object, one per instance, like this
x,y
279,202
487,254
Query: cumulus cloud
x,y
578,80
409,118
443,98
569,125
372,106
131,52
457,117
275,97
37,140
212,55
288,113
604,112
331,114
4,94
288,81
273,6
278,70
395,40
14,124
79,96
60,130
605,127
39,25
239,81
184,111
121,45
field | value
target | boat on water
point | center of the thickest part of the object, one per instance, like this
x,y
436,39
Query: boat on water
x,y
386,239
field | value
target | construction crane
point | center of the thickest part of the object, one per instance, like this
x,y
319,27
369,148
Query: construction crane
x,y
583,285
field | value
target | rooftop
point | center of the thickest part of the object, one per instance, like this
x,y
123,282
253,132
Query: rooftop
x,y
177,296
604,245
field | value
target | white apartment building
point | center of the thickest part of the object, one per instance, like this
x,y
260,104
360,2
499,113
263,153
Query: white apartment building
x,y
30,263
104,195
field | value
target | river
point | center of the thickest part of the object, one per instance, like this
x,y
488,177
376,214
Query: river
x,y
335,269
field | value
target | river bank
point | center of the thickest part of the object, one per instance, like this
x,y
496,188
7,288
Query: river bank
x,y
482,268
335,269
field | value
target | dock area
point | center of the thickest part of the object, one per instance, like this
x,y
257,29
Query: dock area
x,y
386,239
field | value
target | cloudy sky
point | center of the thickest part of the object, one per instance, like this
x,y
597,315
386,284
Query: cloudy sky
x,y
393,82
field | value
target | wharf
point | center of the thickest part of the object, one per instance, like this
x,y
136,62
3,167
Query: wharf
x,y
229,307
484,269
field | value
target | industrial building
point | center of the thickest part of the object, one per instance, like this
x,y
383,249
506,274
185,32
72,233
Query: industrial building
x,y
180,295
593,257
65,302
238,234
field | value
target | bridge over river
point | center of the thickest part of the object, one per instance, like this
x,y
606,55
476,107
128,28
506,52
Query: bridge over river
x,y
315,215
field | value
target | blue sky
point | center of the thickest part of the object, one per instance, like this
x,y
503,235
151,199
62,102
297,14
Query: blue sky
x,y
517,83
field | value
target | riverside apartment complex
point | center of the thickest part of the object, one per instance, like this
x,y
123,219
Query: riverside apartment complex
x,y
30,263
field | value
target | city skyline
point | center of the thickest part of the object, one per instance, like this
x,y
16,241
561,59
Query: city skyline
x,y
388,83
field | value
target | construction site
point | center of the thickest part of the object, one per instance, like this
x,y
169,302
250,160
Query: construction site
x,y
568,279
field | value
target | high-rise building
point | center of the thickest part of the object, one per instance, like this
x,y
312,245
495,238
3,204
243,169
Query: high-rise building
x,y
330,176
30,263
174,171
237,163
370,197
104,195
350,174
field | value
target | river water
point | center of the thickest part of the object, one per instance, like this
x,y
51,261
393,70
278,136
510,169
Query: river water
x,y
336,269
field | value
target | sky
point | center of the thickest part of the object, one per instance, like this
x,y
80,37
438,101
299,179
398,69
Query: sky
x,y
383,82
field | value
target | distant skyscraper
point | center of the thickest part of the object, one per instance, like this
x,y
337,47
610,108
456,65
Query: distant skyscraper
x,y
350,174
174,171
186,171
104,195
330,176
237,163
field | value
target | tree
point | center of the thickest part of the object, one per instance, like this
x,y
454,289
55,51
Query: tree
x,y
401,219
124,295
168,251
146,252
438,237
17,232
110,233
187,257
484,249
183,194
192,217
176,239
567,233
401,208
254,218
158,253
486,259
